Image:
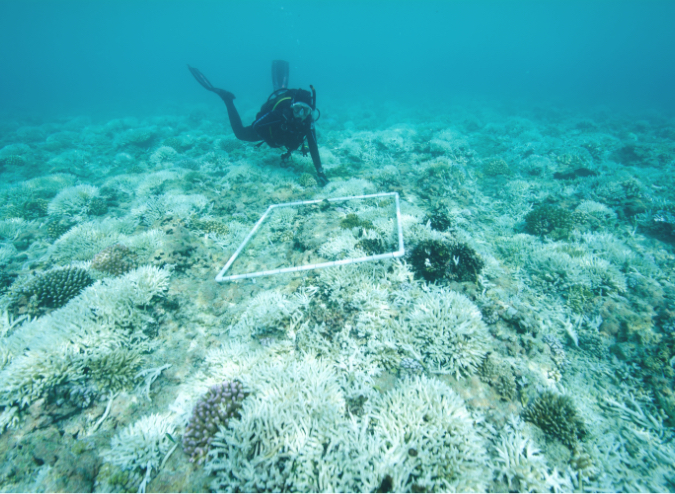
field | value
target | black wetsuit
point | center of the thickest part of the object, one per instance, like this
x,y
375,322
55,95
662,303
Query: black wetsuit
x,y
275,124
277,127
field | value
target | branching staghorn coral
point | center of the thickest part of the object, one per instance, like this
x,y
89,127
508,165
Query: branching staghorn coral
x,y
140,137
163,155
155,183
522,465
88,329
268,312
83,241
446,328
428,438
557,267
293,435
277,443
140,448
74,201
7,252
594,214
10,228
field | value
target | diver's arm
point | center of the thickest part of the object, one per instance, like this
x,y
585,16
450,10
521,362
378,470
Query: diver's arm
x,y
316,158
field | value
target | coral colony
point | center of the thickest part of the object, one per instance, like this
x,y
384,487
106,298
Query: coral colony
x,y
213,410
525,342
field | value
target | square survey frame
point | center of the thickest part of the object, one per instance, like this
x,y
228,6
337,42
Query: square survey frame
x,y
399,253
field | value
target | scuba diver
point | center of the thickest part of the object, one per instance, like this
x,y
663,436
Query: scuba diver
x,y
286,119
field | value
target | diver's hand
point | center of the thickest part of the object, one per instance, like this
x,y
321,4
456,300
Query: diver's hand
x,y
322,179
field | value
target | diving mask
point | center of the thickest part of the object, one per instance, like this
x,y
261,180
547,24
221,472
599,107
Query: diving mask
x,y
301,110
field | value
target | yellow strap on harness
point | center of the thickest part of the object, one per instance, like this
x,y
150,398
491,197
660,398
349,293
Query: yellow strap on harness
x,y
282,99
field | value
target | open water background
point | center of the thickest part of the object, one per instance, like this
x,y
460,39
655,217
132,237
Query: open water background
x,y
126,57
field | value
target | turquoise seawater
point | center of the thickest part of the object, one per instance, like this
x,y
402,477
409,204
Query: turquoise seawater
x,y
524,341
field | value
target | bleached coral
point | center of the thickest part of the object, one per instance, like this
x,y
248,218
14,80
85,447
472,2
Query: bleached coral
x,y
267,312
73,201
103,317
342,284
157,207
138,136
75,161
278,443
294,435
430,442
236,232
140,448
150,211
84,241
415,232
14,149
35,372
146,243
5,355
163,155
10,228
142,284
603,277
522,465
351,187
154,183
282,218
617,251
184,205
7,252
241,172
340,246
551,267
9,418
59,140
47,185
595,213
447,330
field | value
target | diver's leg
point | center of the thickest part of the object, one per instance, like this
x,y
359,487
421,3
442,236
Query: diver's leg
x,y
242,133
279,74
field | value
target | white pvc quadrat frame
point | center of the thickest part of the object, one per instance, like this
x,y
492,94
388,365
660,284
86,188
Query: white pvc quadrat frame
x,y
399,253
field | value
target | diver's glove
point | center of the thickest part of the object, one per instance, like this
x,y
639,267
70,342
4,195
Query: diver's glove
x,y
322,178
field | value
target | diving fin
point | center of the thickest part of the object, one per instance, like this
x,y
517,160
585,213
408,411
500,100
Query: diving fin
x,y
280,74
201,79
